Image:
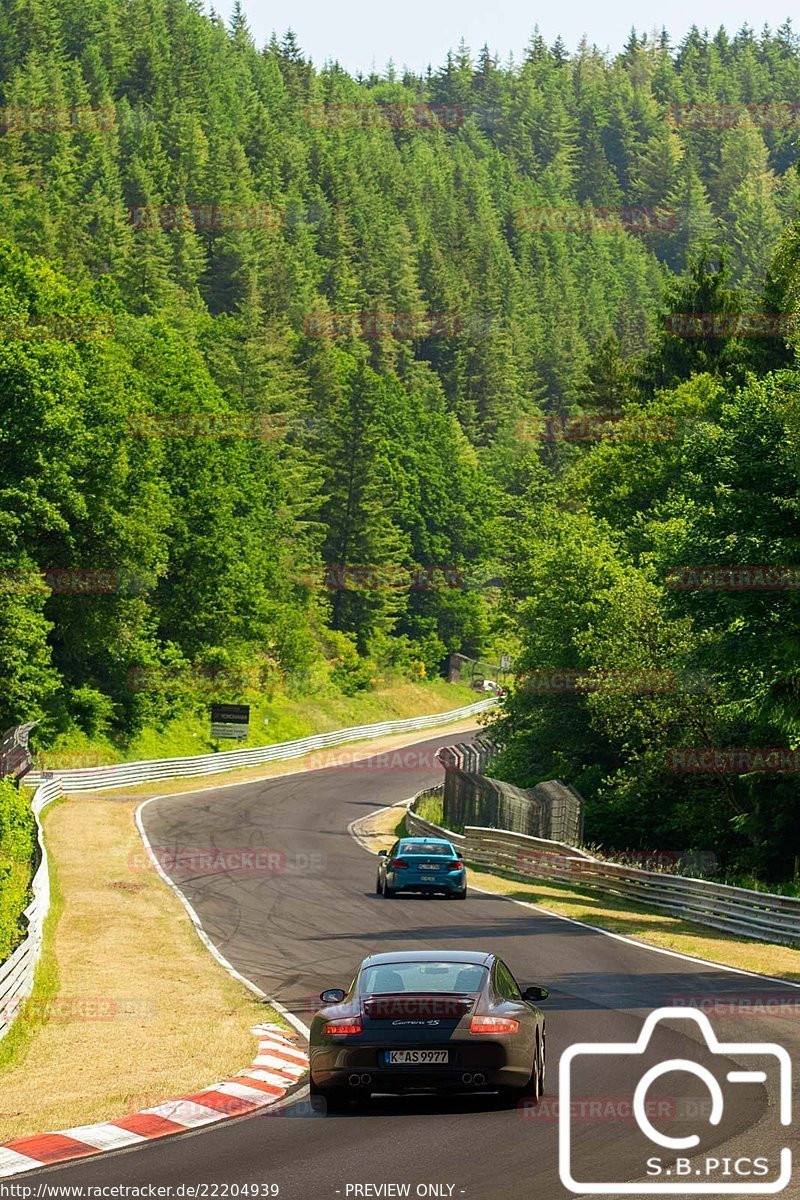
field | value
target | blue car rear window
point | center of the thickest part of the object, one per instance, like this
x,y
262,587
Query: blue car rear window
x,y
428,848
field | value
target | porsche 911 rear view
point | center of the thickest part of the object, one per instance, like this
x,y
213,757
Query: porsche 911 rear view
x,y
428,1021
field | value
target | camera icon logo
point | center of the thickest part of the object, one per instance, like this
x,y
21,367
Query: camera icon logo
x,y
674,1173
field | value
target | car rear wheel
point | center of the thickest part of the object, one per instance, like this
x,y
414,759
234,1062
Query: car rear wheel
x,y
378,888
328,1100
386,891
529,1095
462,895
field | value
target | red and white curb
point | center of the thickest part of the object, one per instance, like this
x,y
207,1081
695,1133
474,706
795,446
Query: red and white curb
x,y
278,1065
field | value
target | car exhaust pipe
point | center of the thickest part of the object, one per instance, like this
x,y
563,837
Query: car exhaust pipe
x,y
467,1077
354,1080
366,1080
479,1079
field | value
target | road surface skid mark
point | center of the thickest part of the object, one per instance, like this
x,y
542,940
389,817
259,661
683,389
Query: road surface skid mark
x,y
277,1067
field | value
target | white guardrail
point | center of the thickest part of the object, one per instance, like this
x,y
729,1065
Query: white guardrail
x,y
760,915
95,778
17,972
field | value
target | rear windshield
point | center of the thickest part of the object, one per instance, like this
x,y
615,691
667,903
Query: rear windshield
x,y
427,848
423,977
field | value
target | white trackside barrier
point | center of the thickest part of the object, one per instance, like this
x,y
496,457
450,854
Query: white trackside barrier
x,y
16,973
94,778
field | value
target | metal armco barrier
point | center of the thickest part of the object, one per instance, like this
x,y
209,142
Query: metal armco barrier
x,y
95,778
551,809
759,915
15,757
16,973
419,827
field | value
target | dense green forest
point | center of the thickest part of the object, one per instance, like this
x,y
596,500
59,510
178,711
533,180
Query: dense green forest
x,y
298,368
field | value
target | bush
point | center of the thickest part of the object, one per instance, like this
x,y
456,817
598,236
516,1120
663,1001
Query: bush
x,y
350,672
17,860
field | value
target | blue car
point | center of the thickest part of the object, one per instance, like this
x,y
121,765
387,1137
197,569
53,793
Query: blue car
x,y
422,864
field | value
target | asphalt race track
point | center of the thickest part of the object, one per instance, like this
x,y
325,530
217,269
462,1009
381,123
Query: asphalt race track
x,y
307,925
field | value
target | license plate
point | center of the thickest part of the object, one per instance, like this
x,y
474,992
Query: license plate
x,y
412,1057
427,879
428,867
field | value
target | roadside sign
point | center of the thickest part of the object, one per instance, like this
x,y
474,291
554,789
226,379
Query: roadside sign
x,y
505,662
230,720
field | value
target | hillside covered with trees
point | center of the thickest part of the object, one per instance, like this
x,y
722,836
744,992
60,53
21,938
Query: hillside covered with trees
x,y
301,370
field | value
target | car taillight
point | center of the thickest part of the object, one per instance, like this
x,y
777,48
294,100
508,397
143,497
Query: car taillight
x,y
493,1025
457,865
400,864
347,1026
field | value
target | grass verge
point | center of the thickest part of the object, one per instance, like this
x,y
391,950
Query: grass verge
x,y
605,912
276,717
129,1008
431,808
17,862
32,1016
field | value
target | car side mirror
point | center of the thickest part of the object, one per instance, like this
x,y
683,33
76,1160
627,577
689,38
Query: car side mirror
x,y
333,996
383,853
535,994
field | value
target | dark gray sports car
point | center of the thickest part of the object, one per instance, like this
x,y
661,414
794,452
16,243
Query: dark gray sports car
x,y
424,1021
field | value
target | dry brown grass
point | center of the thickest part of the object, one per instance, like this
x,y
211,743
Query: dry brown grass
x,y
652,928
143,1013
133,1008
